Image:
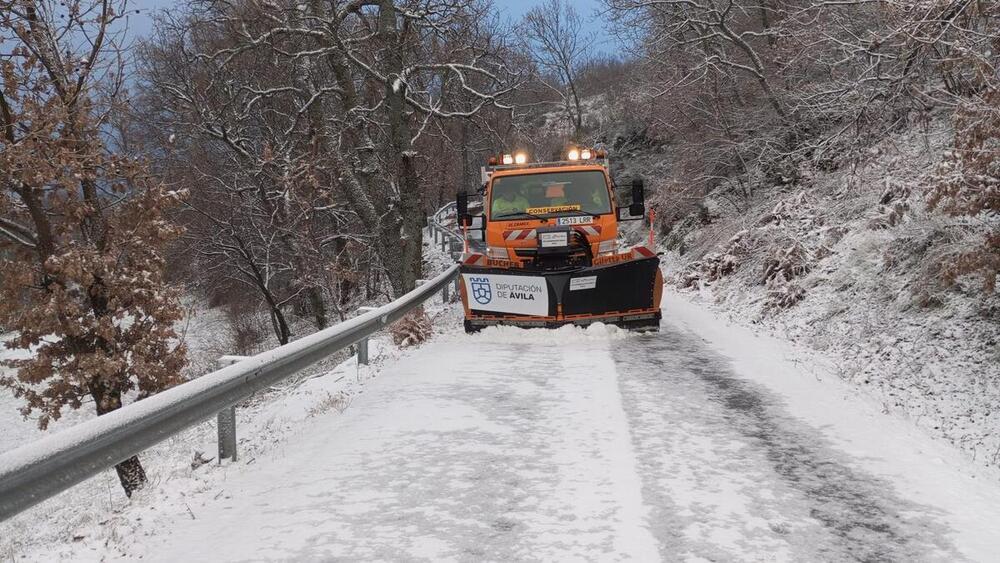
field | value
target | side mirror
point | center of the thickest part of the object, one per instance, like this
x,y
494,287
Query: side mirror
x,y
462,209
477,230
638,207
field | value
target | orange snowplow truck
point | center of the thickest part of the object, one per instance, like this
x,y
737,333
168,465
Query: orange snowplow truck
x,y
552,254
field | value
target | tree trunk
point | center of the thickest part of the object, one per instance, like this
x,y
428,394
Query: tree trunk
x,y
130,472
578,116
765,21
318,306
278,322
758,69
468,181
402,156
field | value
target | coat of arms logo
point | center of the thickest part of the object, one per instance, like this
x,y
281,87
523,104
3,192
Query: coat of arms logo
x,y
481,291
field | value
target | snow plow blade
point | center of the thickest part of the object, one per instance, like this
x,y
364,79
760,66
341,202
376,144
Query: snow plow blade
x,y
623,293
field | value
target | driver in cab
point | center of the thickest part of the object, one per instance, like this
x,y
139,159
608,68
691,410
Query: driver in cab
x,y
504,204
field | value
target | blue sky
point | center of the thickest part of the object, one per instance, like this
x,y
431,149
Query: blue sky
x,y
586,8
141,24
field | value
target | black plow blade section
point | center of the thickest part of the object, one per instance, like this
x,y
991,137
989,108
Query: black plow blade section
x,y
607,289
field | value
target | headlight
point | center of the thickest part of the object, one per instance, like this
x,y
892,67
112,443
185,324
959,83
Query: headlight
x,y
497,253
574,154
607,247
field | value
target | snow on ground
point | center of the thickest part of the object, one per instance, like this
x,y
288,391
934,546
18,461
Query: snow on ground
x,y
703,442
95,521
422,458
960,493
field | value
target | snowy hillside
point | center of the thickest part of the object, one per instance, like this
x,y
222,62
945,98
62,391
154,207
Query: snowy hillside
x,y
844,262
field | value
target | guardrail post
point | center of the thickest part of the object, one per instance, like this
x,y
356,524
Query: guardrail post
x,y
363,351
226,419
443,242
362,344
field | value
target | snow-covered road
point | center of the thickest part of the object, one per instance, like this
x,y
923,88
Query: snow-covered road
x,y
597,445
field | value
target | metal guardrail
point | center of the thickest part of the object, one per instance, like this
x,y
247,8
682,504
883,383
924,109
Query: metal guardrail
x,y
445,235
39,470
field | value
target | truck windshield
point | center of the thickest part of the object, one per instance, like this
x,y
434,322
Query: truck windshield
x,y
551,192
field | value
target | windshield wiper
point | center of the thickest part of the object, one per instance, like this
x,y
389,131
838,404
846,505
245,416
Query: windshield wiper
x,y
578,211
517,213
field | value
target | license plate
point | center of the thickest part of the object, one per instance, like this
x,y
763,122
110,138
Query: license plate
x,y
574,221
553,240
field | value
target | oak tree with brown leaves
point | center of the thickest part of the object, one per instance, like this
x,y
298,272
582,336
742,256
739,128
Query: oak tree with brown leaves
x,y
81,225
967,182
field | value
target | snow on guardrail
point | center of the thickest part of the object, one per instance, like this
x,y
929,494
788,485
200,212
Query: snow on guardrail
x,y
42,469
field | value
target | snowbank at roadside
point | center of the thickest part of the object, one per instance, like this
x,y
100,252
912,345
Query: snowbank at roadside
x,y
563,334
94,521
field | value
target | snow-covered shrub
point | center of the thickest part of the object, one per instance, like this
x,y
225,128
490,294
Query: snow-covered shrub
x,y
787,263
331,402
248,329
830,236
910,245
938,251
782,294
791,209
967,182
887,216
412,329
716,265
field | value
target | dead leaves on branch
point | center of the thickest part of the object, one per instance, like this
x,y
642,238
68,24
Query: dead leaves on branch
x,y
83,281
413,329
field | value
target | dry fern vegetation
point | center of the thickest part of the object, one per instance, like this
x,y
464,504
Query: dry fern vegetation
x,y
412,330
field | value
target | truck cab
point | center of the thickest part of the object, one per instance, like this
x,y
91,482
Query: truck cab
x,y
548,215
529,211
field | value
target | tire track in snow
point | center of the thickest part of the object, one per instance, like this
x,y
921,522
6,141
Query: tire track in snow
x,y
633,538
733,478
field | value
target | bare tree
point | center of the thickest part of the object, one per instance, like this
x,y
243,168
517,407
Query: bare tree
x,y
720,36
553,32
348,88
753,93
